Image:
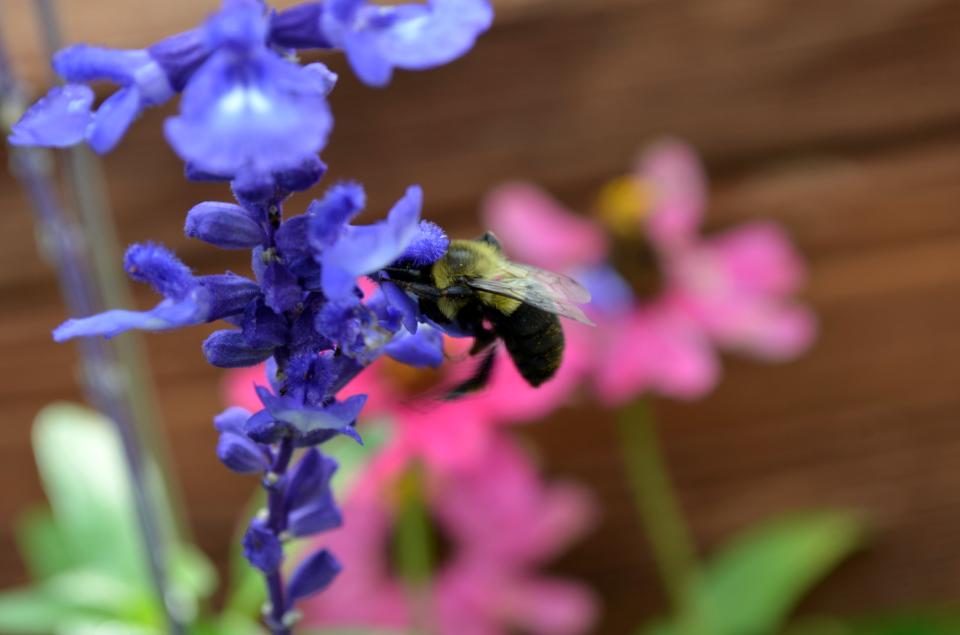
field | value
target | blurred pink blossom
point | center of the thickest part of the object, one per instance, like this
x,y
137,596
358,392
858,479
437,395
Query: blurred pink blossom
x,y
731,291
502,523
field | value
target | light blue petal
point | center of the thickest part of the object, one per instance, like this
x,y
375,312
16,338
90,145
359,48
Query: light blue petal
x,y
263,114
113,118
369,248
422,350
58,120
427,36
168,314
362,49
333,417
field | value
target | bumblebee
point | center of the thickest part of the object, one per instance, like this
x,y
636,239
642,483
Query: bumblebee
x,y
473,290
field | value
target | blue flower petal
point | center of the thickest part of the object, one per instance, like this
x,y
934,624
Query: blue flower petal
x,y
231,420
312,575
113,118
241,25
306,419
59,119
260,113
609,292
328,215
169,314
422,350
425,36
403,303
361,250
415,36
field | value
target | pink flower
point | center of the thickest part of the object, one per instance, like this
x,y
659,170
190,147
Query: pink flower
x,y
502,522
731,291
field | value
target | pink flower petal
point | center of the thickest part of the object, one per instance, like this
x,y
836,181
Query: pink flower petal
x,y
536,230
549,607
680,192
656,349
758,257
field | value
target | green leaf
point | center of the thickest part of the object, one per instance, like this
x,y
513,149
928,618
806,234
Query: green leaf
x,y
86,480
754,583
930,623
29,611
42,544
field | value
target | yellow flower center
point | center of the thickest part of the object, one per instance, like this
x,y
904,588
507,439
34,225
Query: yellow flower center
x,y
623,204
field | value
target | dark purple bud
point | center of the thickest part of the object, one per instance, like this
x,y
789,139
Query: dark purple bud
x,y
317,516
242,455
262,548
312,575
180,55
299,27
224,225
229,294
302,177
231,420
229,349
262,328
310,478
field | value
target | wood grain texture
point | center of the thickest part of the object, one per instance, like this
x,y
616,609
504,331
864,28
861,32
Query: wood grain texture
x,y
839,120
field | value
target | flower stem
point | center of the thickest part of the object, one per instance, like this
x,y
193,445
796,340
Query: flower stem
x,y
414,557
103,374
276,492
656,503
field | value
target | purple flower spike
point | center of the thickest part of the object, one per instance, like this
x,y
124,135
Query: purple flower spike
x,y
252,116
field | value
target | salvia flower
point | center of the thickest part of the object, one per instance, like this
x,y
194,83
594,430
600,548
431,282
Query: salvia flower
x,y
248,111
250,114
664,297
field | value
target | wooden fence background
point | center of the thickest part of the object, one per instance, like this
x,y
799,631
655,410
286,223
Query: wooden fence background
x,y
839,119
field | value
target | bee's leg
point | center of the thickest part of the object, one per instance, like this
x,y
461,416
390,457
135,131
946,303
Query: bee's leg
x,y
482,339
432,293
477,381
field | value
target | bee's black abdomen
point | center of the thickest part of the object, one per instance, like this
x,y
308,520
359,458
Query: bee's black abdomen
x,y
534,339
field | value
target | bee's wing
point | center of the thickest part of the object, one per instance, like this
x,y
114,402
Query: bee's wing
x,y
545,290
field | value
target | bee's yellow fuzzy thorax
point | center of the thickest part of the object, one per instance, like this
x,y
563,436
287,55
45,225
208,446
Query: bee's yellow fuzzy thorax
x,y
471,259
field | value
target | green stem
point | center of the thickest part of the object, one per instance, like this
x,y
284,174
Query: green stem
x,y
414,553
656,502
